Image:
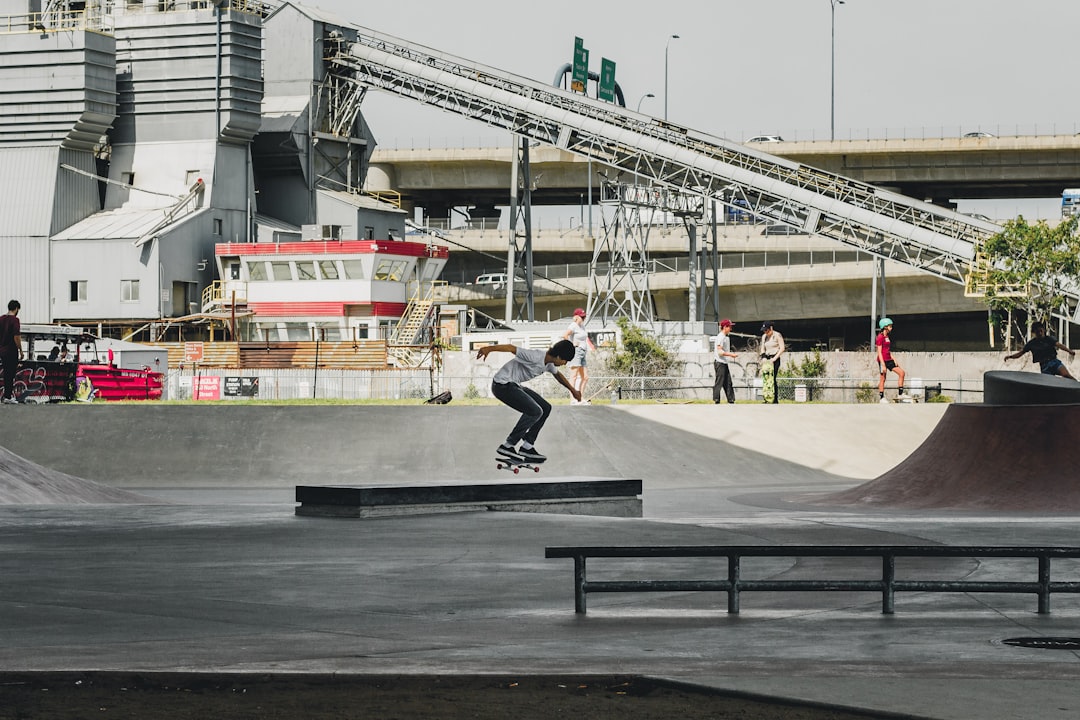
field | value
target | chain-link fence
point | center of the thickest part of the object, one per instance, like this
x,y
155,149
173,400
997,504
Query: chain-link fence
x,y
291,384
747,388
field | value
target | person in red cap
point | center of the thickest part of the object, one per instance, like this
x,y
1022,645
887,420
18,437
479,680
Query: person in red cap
x,y
721,358
577,334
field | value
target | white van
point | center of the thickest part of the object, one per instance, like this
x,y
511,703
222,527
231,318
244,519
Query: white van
x,y
491,279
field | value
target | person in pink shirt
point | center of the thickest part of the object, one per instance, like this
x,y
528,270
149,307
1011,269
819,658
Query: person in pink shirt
x,y
885,360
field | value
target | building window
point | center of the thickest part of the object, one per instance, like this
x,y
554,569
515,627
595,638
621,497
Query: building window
x,y
305,270
129,291
257,271
217,226
369,232
391,270
354,269
329,270
281,270
78,291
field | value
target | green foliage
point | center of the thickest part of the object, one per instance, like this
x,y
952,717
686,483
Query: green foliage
x,y
471,393
866,393
940,399
641,355
1029,265
810,367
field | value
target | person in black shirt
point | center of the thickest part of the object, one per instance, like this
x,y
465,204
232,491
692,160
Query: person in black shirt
x,y
1043,349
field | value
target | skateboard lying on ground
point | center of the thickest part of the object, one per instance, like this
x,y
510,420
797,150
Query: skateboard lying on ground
x,y
515,464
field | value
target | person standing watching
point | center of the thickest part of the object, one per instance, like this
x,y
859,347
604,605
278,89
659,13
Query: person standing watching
x,y
885,361
10,350
772,347
720,364
577,334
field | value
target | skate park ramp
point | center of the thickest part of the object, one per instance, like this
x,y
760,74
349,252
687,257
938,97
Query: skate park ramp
x,y
265,451
23,482
1006,457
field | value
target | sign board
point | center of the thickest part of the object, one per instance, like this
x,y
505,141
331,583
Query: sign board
x,y
606,91
241,387
206,388
580,78
193,352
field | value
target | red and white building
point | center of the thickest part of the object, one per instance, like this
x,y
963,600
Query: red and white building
x,y
333,290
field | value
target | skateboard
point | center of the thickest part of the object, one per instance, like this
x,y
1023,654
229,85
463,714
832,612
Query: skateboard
x,y
514,465
588,400
767,372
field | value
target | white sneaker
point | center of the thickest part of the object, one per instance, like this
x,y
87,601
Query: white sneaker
x,y
884,401
10,401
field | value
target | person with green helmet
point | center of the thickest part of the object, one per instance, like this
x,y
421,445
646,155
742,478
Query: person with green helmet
x,y
885,360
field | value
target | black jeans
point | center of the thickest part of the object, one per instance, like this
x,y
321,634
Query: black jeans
x,y
722,382
533,408
11,369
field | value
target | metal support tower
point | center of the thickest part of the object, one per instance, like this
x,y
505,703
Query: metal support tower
x,y
519,258
619,270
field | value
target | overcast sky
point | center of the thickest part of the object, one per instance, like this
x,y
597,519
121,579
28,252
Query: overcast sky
x,y
903,67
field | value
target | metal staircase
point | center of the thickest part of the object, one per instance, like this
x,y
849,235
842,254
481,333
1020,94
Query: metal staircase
x,y
406,343
932,239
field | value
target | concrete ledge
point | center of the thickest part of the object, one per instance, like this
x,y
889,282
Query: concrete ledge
x,y
614,498
1008,387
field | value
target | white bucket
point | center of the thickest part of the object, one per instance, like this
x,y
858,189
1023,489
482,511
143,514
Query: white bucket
x,y
800,393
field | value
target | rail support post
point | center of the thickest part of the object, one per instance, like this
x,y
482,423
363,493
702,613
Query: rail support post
x,y
579,584
888,576
1044,584
733,571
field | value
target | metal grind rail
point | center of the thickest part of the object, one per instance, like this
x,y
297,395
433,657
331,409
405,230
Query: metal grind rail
x,y
887,584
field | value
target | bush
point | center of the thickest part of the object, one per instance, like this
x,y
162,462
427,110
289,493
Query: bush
x,y
866,393
641,355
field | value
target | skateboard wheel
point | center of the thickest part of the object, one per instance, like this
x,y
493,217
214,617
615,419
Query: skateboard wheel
x,y
536,469
517,470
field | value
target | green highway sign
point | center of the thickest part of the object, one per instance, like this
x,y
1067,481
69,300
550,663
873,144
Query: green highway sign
x,y
607,80
580,79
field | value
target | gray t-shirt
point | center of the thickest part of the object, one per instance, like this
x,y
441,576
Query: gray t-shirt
x,y
723,345
524,366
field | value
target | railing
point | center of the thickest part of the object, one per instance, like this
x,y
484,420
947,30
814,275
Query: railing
x,y
887,584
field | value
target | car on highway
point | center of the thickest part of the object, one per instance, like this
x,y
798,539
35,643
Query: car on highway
x,y
781,229
765,139
978,134
491,279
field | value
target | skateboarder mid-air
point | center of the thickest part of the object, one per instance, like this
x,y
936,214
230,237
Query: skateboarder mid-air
x,y
506,386
1043,349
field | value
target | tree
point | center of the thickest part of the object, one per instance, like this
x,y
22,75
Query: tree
x,y
641,355
1030,267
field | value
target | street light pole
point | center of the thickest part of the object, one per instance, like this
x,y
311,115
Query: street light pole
x,y
646,95
667,45
832,85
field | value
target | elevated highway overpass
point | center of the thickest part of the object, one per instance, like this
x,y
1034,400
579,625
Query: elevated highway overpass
x,y
935,169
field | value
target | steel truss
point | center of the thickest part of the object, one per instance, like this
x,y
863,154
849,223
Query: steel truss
x,y
921,235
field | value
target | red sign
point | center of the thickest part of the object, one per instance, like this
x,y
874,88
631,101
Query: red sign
x,y
193,352
206,388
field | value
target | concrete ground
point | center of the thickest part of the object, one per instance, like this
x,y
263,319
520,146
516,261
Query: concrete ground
x,y
221,576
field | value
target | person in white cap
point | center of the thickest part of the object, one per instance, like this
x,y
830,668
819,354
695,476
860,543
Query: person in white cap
x,y
577,334
721,357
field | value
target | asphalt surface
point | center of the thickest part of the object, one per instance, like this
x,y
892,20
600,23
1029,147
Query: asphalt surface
x,y
217,573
